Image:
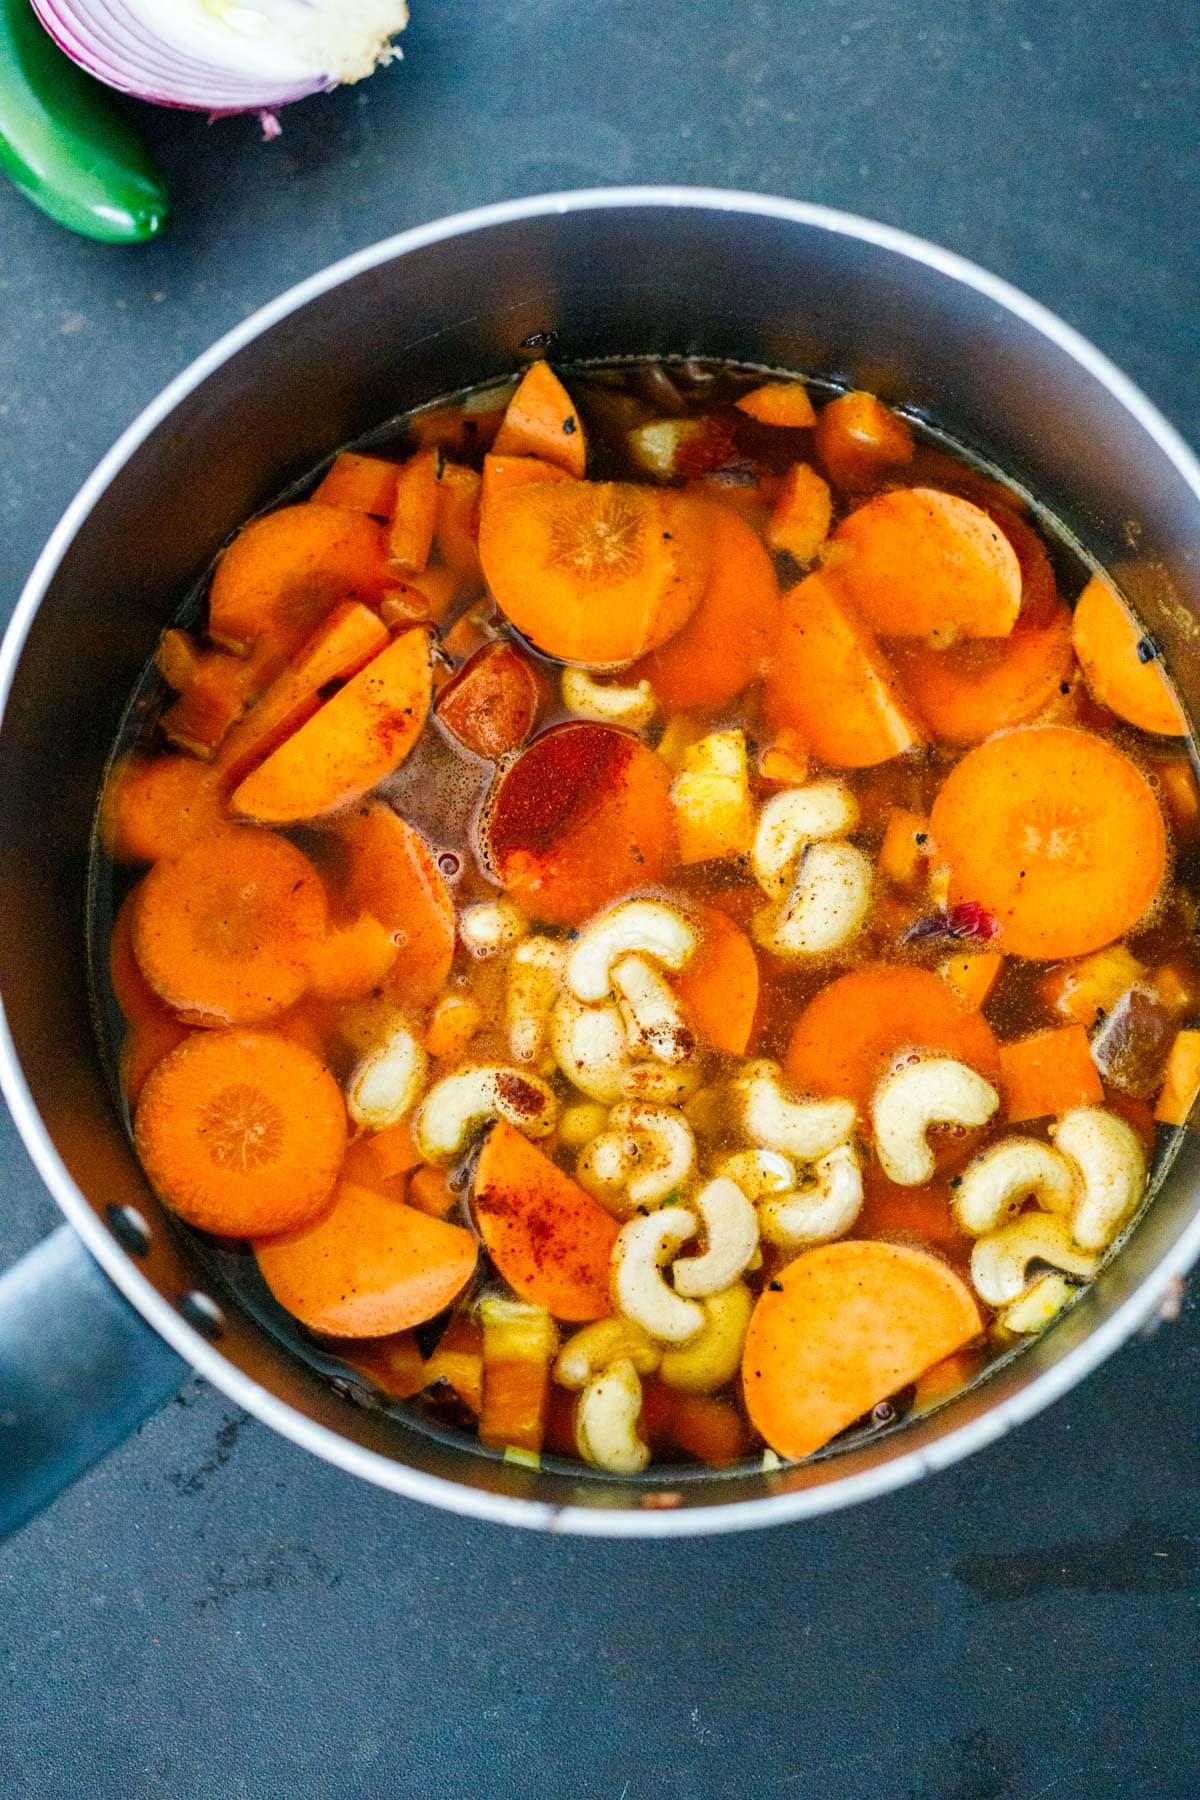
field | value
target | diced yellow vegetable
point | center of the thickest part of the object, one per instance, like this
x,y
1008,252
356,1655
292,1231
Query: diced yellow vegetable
x,y
1081,991
520,1343
972,977
904,853
713,814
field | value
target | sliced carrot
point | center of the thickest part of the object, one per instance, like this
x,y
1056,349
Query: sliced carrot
x,y
154,1036
453,1023
519,1345
726,643
779,403
582,816
784,761
394,1365
214,689
969,690
241,1132
223,934
1081,991
709,1429
824,650
1057,834
368,1266
393,1151
360,483
282,573
456,531
132,992
972,977
155,806
1039,590
860,441
849,1034
1181,796
843,1327
946,1378
494,702
548,1238
414,512
349,963
802,515
916,562
1120,664
311,1023
719,986
392,873
1047,1073
595,572
541,420
904,853
430,1192
503,472
928,467
342,644
351,743
1181,1085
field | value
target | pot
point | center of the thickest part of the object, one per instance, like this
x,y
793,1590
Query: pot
x,y
85,1355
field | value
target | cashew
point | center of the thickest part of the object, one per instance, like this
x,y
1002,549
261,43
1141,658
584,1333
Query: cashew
x,y
580,1123
385,1084
633,707
731,1226
996,1183
460,1103
1112,1169
659,1084
827,906
714,1357
588,1044
603,1342
606,1421
640,1292
804,1129
654,1024
533,982
490,927
822,1208
1042,1301
641,927
1000,1260
935,1091
789,822
643,1154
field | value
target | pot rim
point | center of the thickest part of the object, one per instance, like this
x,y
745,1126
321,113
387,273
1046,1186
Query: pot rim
x,y
203,1356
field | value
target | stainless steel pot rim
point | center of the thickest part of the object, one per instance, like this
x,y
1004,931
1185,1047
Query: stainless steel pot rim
x,y
203,1356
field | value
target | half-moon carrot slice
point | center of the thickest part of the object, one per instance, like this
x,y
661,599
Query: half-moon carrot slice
x,y
830,682
393,874
501,472
541,420
859,441
154,1036
916,562
582,816
968,691
282,573
849,1034
368,1267
1055,832
241,1132
548,1238
155,806
1120,664
356,738
223,934
719,986
802,515
843,1327
360,483
456,532
726,643
779,403
132,992
595,572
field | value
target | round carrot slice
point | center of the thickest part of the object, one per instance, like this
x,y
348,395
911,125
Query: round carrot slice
x,y
970,690
719,987
843,1327
582,816
368,1266
155,806
1055,832
224,933
547,1236
283,573
1120,665
920,563
725,644
595,572
393,875
849,1034
241,1132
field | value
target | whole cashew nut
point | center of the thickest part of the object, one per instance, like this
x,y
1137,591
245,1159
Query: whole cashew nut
x,y
602,1343
1042,1301
637,927
660,1084
934,1091
1000,1260
714,1357
731,1227
1112,1170
460,1103
490,927
384,1086
789,822
643,1154
817,1210
803,1129
588,1044
533,982
606,1421
995,1184
641,1294
633,707
654,1023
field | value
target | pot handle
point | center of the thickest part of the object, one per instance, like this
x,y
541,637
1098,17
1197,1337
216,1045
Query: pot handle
x,y
79,1370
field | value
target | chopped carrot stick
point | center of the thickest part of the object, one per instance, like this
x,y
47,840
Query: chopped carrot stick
x,y
843,1327
405,605
430,1192
582,816
850,1033
519,1345
548,1238
456,531
784,761
414,514
1181,1085
359,483
223,934
1181,796
969,690
349,963
455,1020
728,640
394,1365
155,806
1057,834
493,703
241,1132
859,441
904,853
393,1151
470,632
595,572
719,986
392,872
1081,991
972,977
922,1216
458,1361
709,1429
779,403
283,572
824,650
502,472
214,688
945,1378
1048,1072
368,1266
351,743
802,514
1121,665
916,562
541,420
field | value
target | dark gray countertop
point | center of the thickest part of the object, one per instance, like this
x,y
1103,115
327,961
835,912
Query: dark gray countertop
x,y
212,1614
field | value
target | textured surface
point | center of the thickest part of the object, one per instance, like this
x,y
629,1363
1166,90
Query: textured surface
x,y
209,1613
